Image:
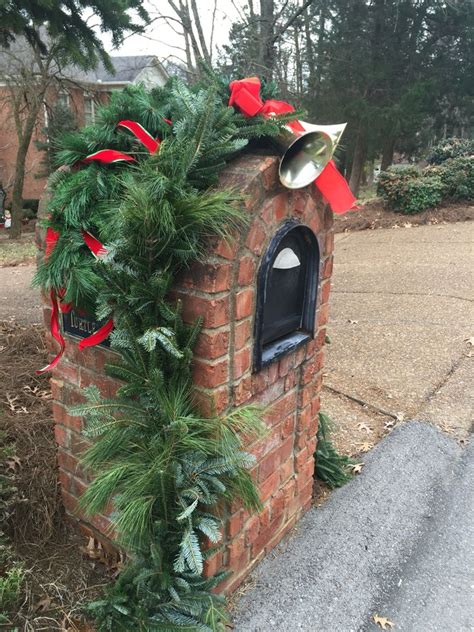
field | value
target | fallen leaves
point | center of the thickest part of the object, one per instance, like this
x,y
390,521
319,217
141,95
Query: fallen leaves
x,y
93,550
37,392
469,341
363,426
75,625
14,406
43,605
357,468
365,446
353,322
383,622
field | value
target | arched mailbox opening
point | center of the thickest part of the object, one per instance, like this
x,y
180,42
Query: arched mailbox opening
x,y
286,293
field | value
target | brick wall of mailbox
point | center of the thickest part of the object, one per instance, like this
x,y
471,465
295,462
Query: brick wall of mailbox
x,y
263,300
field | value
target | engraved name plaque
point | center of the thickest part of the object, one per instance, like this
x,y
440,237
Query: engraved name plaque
x,y
82,326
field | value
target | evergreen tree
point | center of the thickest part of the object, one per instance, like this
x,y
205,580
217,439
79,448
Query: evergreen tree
x,y
398,71
65,26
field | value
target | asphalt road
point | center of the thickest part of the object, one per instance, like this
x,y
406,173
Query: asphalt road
x,y
398,541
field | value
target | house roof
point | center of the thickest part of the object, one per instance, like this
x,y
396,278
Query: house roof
x,y
127,68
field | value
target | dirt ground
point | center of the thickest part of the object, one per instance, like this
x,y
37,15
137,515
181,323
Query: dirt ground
x,y
59,574
372,214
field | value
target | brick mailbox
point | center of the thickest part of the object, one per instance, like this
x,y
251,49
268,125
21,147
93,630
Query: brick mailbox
x,y
263,299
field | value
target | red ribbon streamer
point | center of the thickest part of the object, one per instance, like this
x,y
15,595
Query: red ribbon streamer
x,y
95,246
52,237
334,188
98,250
55,332
245,95
107,156
98,336
143,136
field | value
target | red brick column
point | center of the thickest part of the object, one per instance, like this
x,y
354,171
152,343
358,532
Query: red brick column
x,y
223,292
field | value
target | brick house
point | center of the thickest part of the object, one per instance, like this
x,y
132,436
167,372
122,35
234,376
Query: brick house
x,y
82,92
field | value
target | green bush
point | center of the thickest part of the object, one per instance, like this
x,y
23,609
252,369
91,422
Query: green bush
x,y
409,190
391,182
31,205
11,571
457,176
330,467
450,148
419,194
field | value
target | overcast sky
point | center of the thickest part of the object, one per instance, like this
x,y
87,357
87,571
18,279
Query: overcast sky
x,y
161,40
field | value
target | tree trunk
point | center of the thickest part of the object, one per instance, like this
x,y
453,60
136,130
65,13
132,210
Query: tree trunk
x,y
17,192
387,154
309,55
267,48
202,40
360,153
19,180
298,64
320,46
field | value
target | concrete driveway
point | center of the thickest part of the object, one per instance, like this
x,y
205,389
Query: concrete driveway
x,y
401,315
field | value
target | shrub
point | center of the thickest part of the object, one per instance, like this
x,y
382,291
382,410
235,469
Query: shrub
x,y
409,190
330,467
388,183
457,176
11,571
417,195
450,148
31,205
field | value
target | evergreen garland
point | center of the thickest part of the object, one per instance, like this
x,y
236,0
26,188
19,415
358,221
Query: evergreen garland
x,y
165,468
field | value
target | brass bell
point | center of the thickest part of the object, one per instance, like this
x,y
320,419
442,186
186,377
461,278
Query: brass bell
x,y
306,153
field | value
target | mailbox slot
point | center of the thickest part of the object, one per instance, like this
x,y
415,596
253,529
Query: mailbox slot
x,y
286,293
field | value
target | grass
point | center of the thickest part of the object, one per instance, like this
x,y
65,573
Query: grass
x,y
16,251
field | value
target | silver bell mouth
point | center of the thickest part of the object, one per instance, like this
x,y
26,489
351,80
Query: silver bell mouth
x,y
305,159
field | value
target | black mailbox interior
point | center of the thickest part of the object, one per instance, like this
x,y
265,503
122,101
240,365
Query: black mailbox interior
x,y
286,293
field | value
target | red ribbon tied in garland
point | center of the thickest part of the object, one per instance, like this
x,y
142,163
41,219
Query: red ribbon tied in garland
x,y
245,95
57,305
108,156
103,156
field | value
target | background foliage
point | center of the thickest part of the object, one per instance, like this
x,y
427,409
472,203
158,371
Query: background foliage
x,y
451,177
400,72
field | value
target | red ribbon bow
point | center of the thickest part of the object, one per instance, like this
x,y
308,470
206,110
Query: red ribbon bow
x,y
245,95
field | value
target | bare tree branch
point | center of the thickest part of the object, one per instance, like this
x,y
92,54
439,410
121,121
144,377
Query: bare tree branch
x,y
291,20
